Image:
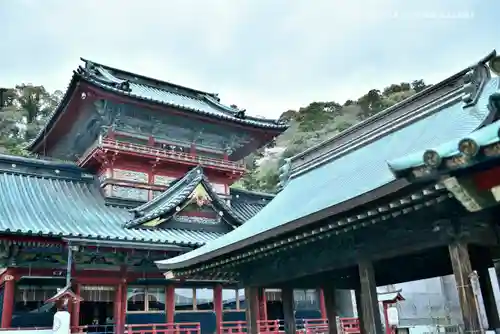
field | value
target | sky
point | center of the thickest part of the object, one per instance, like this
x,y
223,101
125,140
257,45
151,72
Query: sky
x,y
266,56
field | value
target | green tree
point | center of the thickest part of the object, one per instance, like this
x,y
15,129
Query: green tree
x,y
315,123
24,112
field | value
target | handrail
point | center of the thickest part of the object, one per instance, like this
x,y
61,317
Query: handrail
x,y
160,153
164,328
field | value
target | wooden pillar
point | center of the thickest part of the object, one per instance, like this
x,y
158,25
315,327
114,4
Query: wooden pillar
x,y
288,310
75,311
118,308
331,308
218,307
170,303
322,306
359,310
123,313
369,303
262,304
460,261
252,308
490,305
8,299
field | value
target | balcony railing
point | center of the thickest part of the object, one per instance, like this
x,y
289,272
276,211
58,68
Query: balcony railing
x,y
161,154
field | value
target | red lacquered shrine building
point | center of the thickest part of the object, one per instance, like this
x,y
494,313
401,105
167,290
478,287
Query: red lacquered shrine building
x,y
147,177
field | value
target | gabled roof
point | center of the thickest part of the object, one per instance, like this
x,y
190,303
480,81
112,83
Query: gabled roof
x,y
170,201
46,198
61,200
159,92
354,171
248,203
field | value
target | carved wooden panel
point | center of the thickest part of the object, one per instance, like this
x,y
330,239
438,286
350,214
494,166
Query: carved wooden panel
x,y
105,174
163,180
130,175
177,129
132,193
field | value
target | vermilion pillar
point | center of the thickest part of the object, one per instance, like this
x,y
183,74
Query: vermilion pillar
x,y
170,303
8,299
262,304
322,305
218,307
75,310
118,308
123,313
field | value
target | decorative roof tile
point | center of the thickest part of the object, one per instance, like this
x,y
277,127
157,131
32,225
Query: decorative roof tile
x,y
350,171
168,203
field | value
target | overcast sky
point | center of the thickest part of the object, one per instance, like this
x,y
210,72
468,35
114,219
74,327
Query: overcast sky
x,y
264,55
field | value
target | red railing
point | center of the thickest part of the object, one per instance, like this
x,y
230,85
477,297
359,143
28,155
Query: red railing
x,y
316,326
25,328
349,325
169,328
103,329
304,326
160,153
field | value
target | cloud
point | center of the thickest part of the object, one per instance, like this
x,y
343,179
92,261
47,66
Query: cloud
x,y
264,55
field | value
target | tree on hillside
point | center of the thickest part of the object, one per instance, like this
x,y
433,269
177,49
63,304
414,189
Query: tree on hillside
x,y
317,122
24,112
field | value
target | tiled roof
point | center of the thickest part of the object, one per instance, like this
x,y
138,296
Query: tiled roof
x,y
248,203
353,170
165,204
171,95
152,90
486,136
62,200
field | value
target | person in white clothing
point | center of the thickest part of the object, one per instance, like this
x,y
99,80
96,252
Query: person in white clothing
x,y
62,318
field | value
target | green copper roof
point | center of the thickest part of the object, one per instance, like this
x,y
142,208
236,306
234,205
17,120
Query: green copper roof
x,y
159,92
483,137
165,204
169,94
353,171
39,197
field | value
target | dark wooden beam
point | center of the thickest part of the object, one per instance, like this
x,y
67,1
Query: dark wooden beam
x,y
252,309
331,307
490,305
288,310
462,268
369,301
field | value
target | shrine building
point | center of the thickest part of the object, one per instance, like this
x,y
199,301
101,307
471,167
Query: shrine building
x,y
130,170
410,193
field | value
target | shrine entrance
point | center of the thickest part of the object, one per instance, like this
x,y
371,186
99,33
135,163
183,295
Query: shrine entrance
x,y
97,308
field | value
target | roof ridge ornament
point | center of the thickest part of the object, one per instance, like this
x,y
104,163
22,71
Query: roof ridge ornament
x,y
284,174
494,65
474,81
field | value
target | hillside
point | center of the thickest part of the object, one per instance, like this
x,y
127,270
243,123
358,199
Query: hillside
x,y
25,108
312,124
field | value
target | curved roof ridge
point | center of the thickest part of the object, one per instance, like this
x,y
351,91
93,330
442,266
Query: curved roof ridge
x,y
154,80
356,128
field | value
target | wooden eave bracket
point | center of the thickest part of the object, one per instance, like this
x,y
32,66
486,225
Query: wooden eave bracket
x,y
466,192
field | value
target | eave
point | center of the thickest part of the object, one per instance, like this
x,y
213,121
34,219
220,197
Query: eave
x,y
383,212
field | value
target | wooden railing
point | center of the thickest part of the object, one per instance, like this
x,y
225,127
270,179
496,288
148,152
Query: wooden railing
x,y
160,153
303,326
168,328
349,325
